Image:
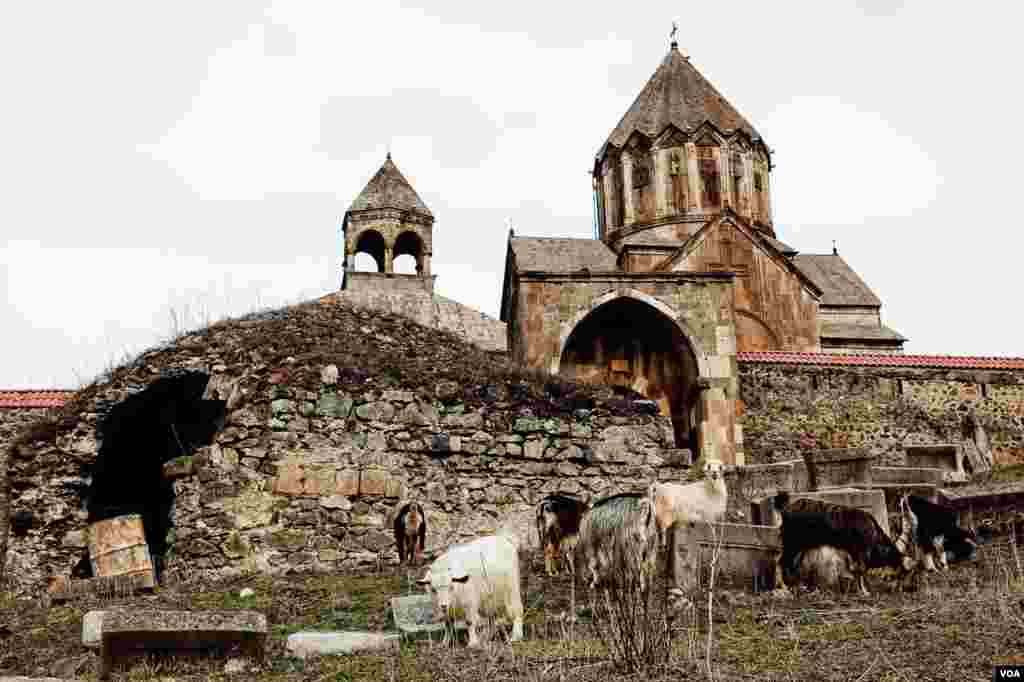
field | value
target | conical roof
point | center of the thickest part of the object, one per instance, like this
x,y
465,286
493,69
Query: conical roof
x,y
388,188
677,94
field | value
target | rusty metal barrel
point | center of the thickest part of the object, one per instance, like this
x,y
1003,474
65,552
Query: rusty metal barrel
x,y
117,547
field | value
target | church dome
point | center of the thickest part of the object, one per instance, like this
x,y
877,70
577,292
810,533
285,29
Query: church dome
x,y
677,94
680,156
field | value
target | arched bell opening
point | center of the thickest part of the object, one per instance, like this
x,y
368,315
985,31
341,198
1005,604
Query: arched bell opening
x,y
370,252
626,342
408,254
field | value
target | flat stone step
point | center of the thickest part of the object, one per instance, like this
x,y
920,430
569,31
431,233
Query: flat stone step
x,y
133,633
308,644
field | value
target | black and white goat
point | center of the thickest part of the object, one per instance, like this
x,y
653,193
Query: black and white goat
x,y
811,524
558,527
938,533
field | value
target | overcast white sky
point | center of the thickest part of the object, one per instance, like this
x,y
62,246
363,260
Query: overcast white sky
x,y
195,156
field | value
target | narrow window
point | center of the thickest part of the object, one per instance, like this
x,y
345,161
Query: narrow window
x,y
709,181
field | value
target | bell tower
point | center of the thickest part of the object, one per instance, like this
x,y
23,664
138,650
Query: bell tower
x,y
387,220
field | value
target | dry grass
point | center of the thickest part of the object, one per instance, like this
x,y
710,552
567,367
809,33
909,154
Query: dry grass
x,y
955,627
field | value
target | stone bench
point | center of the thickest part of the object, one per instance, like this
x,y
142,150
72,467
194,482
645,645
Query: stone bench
x,y
135,633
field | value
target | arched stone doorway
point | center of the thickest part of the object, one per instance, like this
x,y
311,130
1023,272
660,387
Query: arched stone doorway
x,y
630,343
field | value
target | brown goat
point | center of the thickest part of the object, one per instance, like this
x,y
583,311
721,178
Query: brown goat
x,y
558,524
410,533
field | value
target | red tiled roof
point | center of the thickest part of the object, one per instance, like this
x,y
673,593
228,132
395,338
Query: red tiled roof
x,y
881,360
31,397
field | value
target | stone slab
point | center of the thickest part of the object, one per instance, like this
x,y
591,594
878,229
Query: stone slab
x,y
906,475
414,614
945,456
746,560
838,468
128,633
308,644
894,491
92,629
63,588
871,501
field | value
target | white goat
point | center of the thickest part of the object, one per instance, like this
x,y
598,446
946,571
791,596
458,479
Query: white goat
x,y
482,578
678,508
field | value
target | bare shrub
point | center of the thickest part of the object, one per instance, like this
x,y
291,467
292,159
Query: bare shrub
x,y
631,621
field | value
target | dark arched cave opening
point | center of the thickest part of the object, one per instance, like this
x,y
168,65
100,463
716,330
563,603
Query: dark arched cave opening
x,y
166,420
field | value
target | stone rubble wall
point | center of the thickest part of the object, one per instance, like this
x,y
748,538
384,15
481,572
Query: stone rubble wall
x,y
436,312
12,422
883,409
307,480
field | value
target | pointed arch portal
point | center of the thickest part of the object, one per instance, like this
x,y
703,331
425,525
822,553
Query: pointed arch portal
x,y
628,342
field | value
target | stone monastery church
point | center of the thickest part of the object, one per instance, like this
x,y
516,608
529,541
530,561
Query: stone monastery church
x,y
686,273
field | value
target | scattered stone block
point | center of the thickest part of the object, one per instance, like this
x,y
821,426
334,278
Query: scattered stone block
x,y
839,468
947,457
747,555
133,633
871,501
63,589
414,614
92,629
179,467
373,482
308,644
906,475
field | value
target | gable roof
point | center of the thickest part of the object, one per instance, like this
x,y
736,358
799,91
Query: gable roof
x,y
761,240
557,254
784,249
388,188
33,398
677,94
860,332
839,284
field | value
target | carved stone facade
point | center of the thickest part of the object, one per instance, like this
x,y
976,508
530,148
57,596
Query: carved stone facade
x,y
687,270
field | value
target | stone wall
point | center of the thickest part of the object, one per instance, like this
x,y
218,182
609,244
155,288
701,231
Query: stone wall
x,y
12,422
302,479
430,310
882,408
